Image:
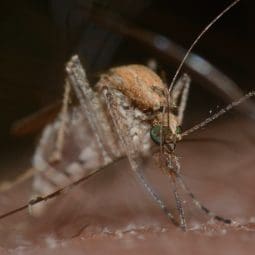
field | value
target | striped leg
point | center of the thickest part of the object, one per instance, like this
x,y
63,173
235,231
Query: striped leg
x,y
179,96
57,152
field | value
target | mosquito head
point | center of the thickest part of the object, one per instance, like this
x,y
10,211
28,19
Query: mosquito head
x,y
164,135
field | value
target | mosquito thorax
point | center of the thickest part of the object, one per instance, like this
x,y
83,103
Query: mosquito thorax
x,y
140,84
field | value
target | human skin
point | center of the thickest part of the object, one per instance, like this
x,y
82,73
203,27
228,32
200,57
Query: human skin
x,y
111,213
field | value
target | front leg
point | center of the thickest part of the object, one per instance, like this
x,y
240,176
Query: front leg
x,y
179,96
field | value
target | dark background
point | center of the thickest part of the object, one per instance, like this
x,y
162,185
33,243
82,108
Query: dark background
x,y
38,37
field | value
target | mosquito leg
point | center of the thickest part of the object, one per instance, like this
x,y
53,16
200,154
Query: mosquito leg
x,y
58,192
179,206
198,204
85,95
171,173
195,201
57,153
93,109
180,93
151,192
184,81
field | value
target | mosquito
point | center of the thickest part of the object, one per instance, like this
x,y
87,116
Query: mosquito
x,y
128,113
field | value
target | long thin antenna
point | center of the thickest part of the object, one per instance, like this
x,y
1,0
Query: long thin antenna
x,y
197,39
218,114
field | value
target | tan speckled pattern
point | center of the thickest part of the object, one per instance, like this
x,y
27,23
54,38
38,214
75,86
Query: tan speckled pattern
x,y
138,83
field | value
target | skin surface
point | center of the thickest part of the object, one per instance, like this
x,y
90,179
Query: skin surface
x,y
112,214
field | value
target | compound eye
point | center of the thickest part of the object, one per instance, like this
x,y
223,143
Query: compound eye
x,y
155,134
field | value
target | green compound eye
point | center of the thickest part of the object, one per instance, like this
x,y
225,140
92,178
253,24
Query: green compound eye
x,y
178,130
155,134
156,130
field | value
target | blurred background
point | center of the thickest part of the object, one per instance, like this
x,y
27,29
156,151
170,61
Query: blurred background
x,y
39,36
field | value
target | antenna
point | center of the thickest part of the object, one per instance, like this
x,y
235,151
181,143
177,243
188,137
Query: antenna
x,y
218,114
197,39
